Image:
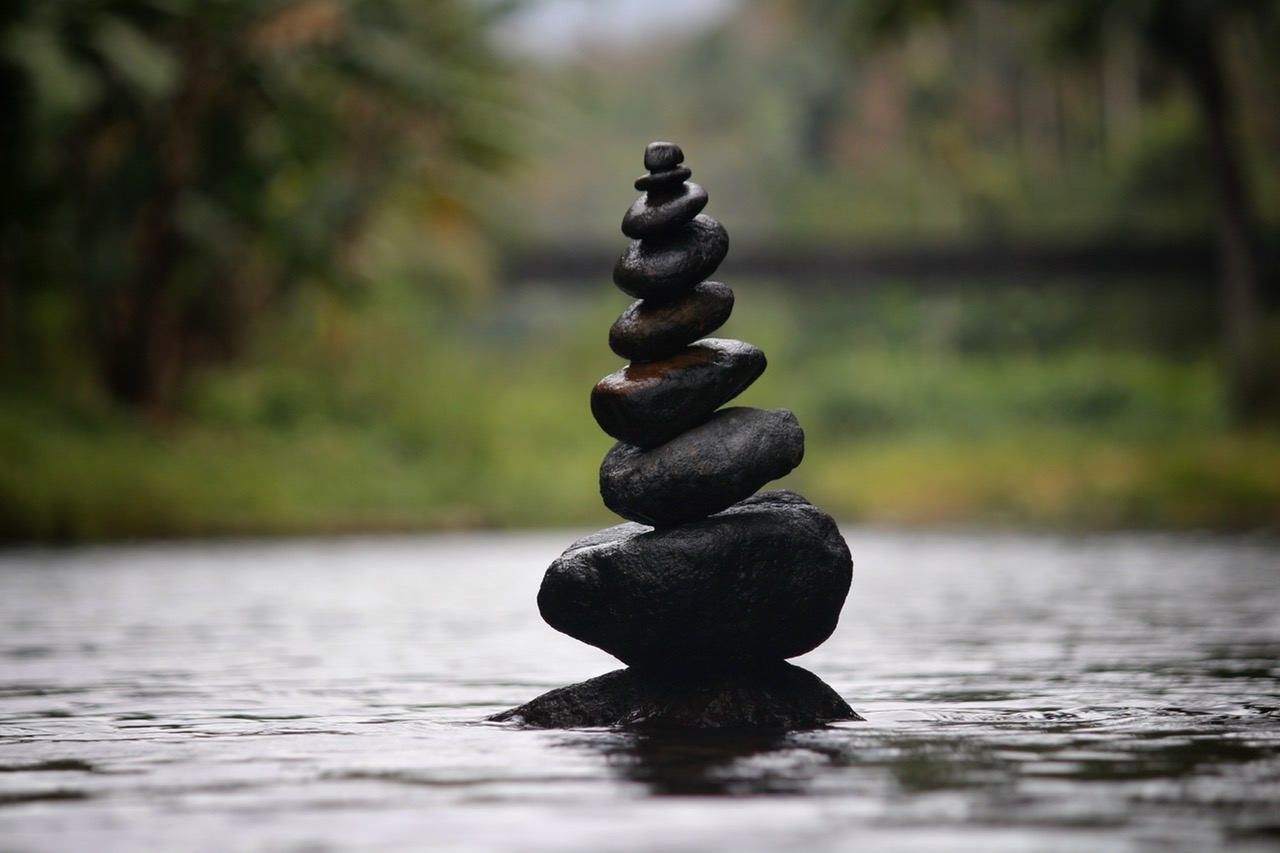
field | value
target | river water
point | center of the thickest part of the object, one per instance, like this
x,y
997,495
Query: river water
x,y
1101,693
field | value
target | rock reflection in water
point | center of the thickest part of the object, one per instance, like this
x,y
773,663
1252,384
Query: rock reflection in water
x,y
737,762
748,762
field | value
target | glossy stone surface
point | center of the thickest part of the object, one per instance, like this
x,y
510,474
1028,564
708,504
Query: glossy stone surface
x,y
652,329
710,586
655,212
702,471
762,581
661,156
647,403
781,695
665,266
664,179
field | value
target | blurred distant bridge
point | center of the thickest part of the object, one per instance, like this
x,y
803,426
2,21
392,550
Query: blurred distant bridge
x,y
1188,263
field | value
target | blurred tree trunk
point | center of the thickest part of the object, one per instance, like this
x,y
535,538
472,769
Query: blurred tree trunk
x,y
140,333
1201,61
174,168
1185,37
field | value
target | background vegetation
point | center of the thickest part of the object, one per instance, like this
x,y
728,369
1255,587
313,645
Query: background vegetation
x,y
253,273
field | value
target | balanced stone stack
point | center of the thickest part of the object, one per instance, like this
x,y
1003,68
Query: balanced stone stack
x,y
709,587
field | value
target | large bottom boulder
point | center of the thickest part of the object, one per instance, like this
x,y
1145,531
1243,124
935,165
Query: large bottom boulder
x,y
775,696
762,581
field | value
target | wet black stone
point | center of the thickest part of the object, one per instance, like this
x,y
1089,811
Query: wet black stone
x,y
778,695
702,471
762,581
654,213
669,264
647,403
662,180
661,156
705,605
652,329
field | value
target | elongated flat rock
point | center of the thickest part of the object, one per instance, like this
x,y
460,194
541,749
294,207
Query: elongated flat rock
x,y
671,263
656,212
650,329
781,695
762,581
702,471
647,403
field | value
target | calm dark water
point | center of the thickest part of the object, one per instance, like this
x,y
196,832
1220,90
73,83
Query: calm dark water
x,y
1098,694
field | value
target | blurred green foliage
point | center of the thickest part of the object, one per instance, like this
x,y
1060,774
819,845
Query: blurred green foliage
x,y
974,126
1188,41
177,167
916,410
251,278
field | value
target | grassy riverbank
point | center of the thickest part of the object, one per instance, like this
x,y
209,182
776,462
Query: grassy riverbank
x,y
76,479
401,415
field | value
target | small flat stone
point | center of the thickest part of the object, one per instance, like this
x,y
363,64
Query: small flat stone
x,y
661,156
762,581
778,696
667,265
652,329
647,403
664,179
654,213
702,471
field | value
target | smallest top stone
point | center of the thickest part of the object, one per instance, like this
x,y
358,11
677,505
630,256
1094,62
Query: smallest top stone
x,y
662,156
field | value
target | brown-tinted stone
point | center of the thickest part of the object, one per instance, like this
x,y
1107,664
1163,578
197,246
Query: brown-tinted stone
x,y
671,263
654,213
652,329
647,403
702,471
762,581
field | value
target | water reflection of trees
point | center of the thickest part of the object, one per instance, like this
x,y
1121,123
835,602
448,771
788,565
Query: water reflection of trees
x,y
994,766
771,762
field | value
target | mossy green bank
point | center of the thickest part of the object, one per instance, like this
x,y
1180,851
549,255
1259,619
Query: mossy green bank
x,y
399,413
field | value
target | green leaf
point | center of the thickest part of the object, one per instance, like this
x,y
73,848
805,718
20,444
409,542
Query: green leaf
x,y
63,88
148,67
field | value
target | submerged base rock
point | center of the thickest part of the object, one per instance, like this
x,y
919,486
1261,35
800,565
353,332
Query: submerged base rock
x,y
760,582
778,695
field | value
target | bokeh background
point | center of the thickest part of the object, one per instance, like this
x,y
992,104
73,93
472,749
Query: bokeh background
x,y
314,266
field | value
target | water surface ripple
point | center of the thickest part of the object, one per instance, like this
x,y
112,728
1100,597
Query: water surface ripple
x,y
1107,693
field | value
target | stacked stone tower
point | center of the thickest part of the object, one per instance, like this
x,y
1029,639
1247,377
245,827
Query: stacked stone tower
x,y
710,587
